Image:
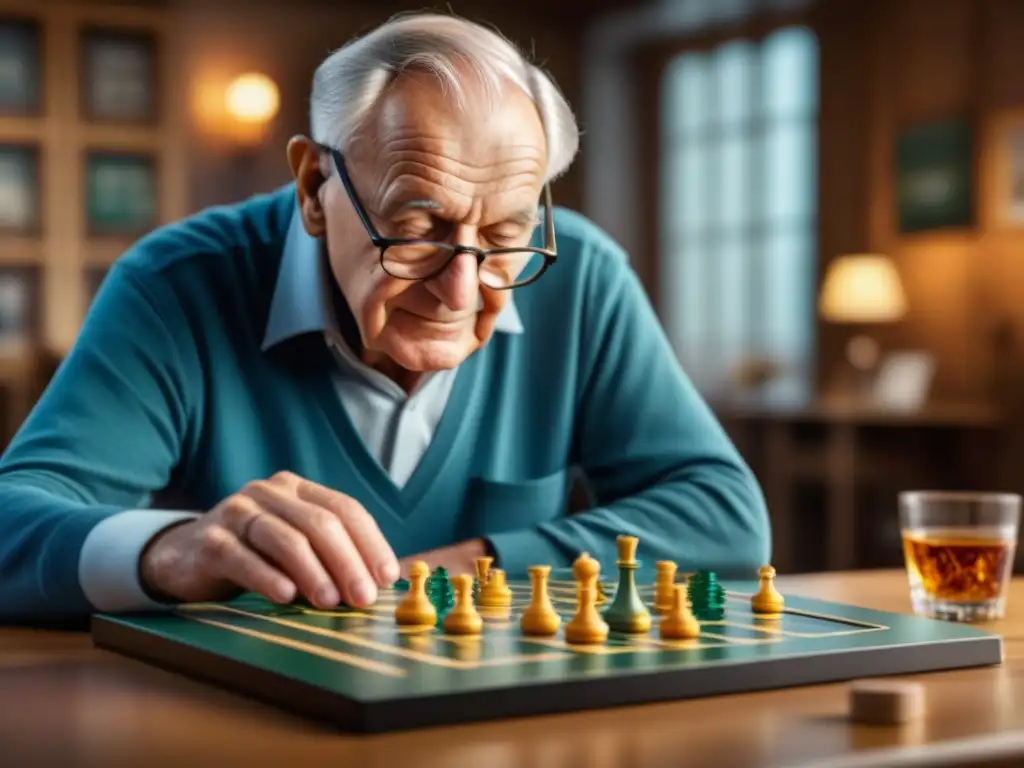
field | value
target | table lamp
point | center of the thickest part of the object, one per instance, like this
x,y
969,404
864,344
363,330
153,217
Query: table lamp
x,y
862,289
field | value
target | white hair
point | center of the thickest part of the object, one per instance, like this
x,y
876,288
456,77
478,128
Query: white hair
x,y
347,85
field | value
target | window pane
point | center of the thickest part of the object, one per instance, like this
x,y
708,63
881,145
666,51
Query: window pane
x,y
788,294
683,291
731,303
734,72
790,72
790,181
685,201
733,178
686,95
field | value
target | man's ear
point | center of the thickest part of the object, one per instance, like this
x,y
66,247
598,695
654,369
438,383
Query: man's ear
x,y
304,161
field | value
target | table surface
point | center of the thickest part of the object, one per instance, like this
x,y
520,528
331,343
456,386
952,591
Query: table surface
x,y
61,697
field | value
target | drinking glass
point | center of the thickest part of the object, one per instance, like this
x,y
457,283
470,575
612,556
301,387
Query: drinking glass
x,y
959,548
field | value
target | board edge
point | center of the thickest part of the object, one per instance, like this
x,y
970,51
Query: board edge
x,y
195,663
539,698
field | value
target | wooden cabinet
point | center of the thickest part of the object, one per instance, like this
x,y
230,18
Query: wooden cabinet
x,y
831,472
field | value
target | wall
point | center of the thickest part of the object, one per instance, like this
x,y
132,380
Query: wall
x,y
890,63
287,41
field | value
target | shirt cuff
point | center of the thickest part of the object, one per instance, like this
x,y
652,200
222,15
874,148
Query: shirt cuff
x,y
108,566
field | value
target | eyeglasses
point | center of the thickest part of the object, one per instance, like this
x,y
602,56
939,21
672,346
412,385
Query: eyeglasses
x,y
412,259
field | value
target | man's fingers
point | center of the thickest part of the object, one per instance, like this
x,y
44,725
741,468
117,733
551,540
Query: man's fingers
x,y
361,527
225,557
288,549
326,536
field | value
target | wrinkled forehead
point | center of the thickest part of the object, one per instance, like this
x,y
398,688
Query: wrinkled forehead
x,y
474,128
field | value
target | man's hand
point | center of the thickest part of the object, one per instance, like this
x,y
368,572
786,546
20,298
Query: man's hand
x,y
280,538
456,559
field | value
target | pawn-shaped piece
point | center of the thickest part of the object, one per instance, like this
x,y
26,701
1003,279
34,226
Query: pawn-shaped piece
x,y
415,609
599,592
679,623
463,619
495,593
767,599
587,627
540,617
483,567
664,586
627,612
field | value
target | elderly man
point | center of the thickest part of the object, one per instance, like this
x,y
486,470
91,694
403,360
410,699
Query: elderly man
x,y
400,355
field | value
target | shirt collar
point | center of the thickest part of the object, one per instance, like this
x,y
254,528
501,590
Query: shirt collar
x,y
301,298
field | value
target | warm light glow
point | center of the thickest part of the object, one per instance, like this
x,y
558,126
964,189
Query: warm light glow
x,y
253,98
862,288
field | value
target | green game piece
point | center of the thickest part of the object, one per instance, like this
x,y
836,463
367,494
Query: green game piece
x,y
401,586
706,596
439,591
627,612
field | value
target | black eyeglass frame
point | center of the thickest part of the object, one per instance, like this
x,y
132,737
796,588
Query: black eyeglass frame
x,y
549,251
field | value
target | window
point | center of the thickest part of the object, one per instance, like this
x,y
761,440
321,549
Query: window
x,y
739,204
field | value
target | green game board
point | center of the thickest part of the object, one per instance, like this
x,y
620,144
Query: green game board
x,y
360,671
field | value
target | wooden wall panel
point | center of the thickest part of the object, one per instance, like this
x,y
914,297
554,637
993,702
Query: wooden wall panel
x,y
927,60
929,55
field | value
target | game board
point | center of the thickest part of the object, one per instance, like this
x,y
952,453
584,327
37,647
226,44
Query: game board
x,y
363,673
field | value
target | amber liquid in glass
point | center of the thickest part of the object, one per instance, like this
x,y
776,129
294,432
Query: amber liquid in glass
x,y
959,572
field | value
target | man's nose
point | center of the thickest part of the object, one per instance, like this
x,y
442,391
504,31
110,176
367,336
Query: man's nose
x,y
458,286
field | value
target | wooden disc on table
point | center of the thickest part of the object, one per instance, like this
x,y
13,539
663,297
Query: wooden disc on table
x,y
885,702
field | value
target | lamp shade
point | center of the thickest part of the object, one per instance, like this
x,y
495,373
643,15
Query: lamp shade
x,y
862,288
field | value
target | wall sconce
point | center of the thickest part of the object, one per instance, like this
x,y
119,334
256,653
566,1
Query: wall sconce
x,y
252,101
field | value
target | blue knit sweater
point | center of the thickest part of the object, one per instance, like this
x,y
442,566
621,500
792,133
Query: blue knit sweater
x,y
168,402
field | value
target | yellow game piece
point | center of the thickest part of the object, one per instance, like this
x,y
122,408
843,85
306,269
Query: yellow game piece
x,y
664,585
587,627
415,609
496,592
463,619
483,565
601,598
679,623
540,617
767,599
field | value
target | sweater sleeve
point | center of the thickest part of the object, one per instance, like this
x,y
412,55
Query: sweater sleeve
x,y
106,434
659,463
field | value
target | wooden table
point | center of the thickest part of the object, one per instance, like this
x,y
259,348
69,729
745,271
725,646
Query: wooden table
x,y
63,702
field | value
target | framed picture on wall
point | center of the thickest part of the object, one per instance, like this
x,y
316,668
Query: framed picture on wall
x,y
935,176
20,67
17,291
121,193
1007,204
119,71
19,189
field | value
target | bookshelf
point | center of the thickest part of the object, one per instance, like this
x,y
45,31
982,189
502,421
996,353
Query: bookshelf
x,y
91,157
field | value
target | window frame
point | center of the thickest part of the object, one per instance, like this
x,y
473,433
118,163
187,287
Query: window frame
x,y
650,65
